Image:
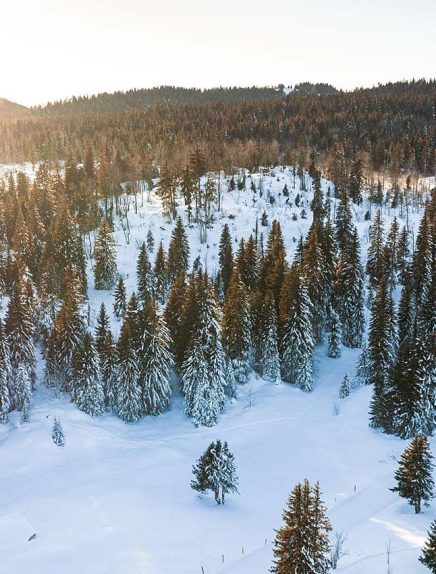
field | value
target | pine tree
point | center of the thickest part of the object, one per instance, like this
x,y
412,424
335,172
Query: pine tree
x,y
160,274
375,262
334,343
155,362
57,434
87,388
236,328
381,353
144,275
215,470
428,557
226,257
297,341
302,545
128,395
414,474
5,373
178,251
269,352
120,302
344,389
350,293
203,369
105,270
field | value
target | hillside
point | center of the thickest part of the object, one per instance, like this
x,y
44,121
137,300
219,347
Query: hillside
x,y
10,109
117,498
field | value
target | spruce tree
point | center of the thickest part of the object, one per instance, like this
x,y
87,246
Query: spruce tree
x,y
390,253
160,273
128,395
269,352
87,388
105,270
216,470
5,373
155,362
144,275
334,342
428,557
344,223
414,474
178,251
297,342
345,388
23,390
236,327
57,433
356,182
302,545
106,349
174,309
375,263
120,301
225,256
274,265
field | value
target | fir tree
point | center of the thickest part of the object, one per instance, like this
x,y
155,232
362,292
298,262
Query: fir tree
x,y
428,557
144,276
120,302
375,263
178,251
5,373
297,341
216,470
87,388
174,308
155,362
105,270
128,396
150,241
334,342
314,269
236,328
226,257
390,253
269,352
414,474
23,390
160,274
344,223
106,349
274,265
57,433
356,182
302,545
344,389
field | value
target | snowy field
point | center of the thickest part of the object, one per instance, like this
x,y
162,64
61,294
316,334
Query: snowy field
x,y
117,498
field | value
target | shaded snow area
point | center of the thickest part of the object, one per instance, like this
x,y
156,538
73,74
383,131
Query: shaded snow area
x,y
117,498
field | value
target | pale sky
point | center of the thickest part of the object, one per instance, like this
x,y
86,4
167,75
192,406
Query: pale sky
x,y
53,49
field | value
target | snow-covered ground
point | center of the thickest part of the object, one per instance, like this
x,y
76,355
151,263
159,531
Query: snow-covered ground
x,y
117,498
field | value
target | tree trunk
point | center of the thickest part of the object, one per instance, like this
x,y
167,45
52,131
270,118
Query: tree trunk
x,y
418,506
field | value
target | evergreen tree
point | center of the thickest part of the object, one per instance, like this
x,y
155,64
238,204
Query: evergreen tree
x,y
128,395
344,223
150,241
203,369
247,261
390,253
120,302
356,182
414,474
225,257
160,274
269,352
87,388
297,341
5,373
428,557
350,293
334,343
23,390
155,362
106,349
403,254
57,433
144,275
105,270
375,262
174,308
236,328
381,353
302,545
178,251
216,470
317,204
274,265
345,388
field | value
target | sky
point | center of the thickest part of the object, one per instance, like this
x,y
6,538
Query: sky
x,y
54,49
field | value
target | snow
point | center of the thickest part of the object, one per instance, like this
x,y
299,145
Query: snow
x,y
117,498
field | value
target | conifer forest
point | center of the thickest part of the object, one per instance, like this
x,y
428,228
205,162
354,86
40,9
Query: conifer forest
x,y
218,331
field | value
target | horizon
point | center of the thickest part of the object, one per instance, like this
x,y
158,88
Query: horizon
x,y
62,50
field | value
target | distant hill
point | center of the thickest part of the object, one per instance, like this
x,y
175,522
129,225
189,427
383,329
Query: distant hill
x,y
9,109
315,89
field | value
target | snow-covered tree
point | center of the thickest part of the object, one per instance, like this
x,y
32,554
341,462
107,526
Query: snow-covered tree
x,y
334,341
178,251
414,475
87,388
269,352
120,299
144,275
5,373
57,434
155,362
23,390
216,470
105,270
345,388
128,395
428,557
